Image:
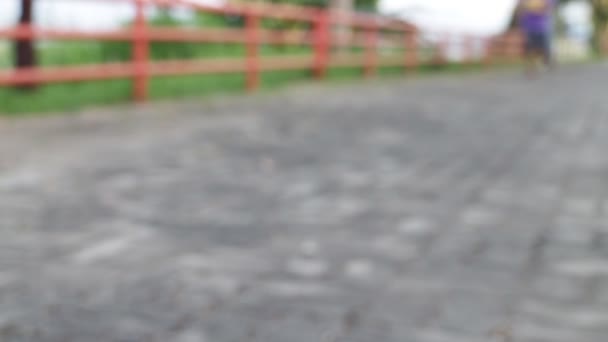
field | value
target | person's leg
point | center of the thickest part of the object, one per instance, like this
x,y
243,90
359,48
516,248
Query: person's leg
x,y
547,51
530,52
529,64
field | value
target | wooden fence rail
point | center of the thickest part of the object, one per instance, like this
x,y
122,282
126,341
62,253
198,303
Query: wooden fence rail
x,y
370,31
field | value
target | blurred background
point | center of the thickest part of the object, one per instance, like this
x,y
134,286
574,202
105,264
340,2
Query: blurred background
x,y
301,171
444,26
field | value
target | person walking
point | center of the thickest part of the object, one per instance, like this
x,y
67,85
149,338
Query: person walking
x,y
536,23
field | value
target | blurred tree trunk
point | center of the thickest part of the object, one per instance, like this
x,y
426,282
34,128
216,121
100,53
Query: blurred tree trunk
x,y
600,23
25,54
599,17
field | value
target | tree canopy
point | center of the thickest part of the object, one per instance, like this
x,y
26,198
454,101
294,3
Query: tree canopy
x,y
361,5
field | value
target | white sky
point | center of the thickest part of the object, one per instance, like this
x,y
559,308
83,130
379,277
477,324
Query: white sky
x,y
461,15
474,16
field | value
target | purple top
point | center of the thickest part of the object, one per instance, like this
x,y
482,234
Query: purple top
x,y
535,15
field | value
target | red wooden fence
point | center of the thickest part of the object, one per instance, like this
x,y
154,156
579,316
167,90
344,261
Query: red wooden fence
x,y
141,68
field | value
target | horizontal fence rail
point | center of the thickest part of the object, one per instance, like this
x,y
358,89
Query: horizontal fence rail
x,y
372,35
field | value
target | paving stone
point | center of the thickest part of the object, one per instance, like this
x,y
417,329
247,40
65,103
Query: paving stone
x,y
467,208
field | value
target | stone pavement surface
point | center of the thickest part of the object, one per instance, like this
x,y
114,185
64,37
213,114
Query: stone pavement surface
x,y
471,208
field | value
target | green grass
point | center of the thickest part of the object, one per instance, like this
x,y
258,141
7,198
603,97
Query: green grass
x,y
196,85
5,55
276,79
63,97
71,97
74,96
344,74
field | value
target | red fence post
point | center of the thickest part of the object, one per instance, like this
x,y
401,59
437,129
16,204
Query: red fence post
x,y
489,51
371,55
253,72
321,44
507,50
513,49
519,47
603,44
444,47
141,53
502,50
469,49
411,49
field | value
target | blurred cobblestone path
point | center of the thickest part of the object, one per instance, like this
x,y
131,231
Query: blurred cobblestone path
x,y
471,208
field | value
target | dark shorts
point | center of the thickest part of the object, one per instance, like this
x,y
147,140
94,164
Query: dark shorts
x,y
538,42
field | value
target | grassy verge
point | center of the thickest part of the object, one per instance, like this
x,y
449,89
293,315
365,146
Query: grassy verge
x,y
64,97
74,96
71,97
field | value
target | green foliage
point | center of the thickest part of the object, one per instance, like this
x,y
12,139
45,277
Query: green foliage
x,y
121,51
366,5
62,97
361,5
77,95
217,20
599,17
5,55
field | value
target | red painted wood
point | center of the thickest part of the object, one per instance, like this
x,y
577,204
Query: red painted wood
x,y
164,68
140,69
371,52
489,51
67,74
322,44
253,74
411,50
469,49
141,53
207,35
444,45
36,33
